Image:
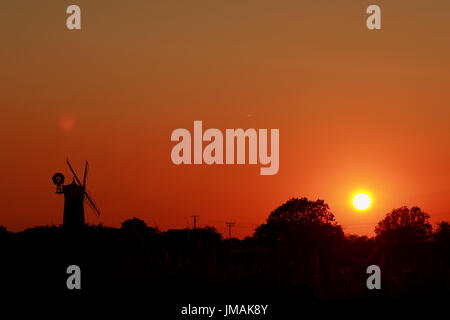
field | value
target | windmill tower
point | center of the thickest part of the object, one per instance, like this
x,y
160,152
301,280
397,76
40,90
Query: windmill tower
x,y
75,195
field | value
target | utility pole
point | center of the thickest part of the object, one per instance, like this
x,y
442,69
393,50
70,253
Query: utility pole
x,y
230,225
195,221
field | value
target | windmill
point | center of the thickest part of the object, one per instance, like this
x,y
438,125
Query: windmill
x,y
75,195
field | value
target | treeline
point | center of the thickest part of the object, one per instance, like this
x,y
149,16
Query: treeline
x,y
300,252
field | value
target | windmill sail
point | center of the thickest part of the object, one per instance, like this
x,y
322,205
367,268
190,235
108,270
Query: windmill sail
x,y
74,174
89,200
85,174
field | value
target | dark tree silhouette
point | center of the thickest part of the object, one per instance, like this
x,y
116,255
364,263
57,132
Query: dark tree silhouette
x,y
138,237
304,243
404,225
3,232
403,240
3,235
442,241
443,232
299,217
134,225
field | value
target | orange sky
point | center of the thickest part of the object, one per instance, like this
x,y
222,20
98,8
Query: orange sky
x,y
356,109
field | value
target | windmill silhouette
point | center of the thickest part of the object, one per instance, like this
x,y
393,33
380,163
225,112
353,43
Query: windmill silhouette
x,y
75,195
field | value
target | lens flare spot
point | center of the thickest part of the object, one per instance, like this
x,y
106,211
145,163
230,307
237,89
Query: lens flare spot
x,y
67,122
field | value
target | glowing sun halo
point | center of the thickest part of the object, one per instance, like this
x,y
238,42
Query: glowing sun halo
x,y
67,122
361,201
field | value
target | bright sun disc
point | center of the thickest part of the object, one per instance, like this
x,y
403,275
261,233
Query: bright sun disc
x,y
361,201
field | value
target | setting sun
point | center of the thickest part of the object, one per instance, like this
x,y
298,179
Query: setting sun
x,y
361,201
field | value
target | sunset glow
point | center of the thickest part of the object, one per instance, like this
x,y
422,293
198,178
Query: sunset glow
x,y
170,64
